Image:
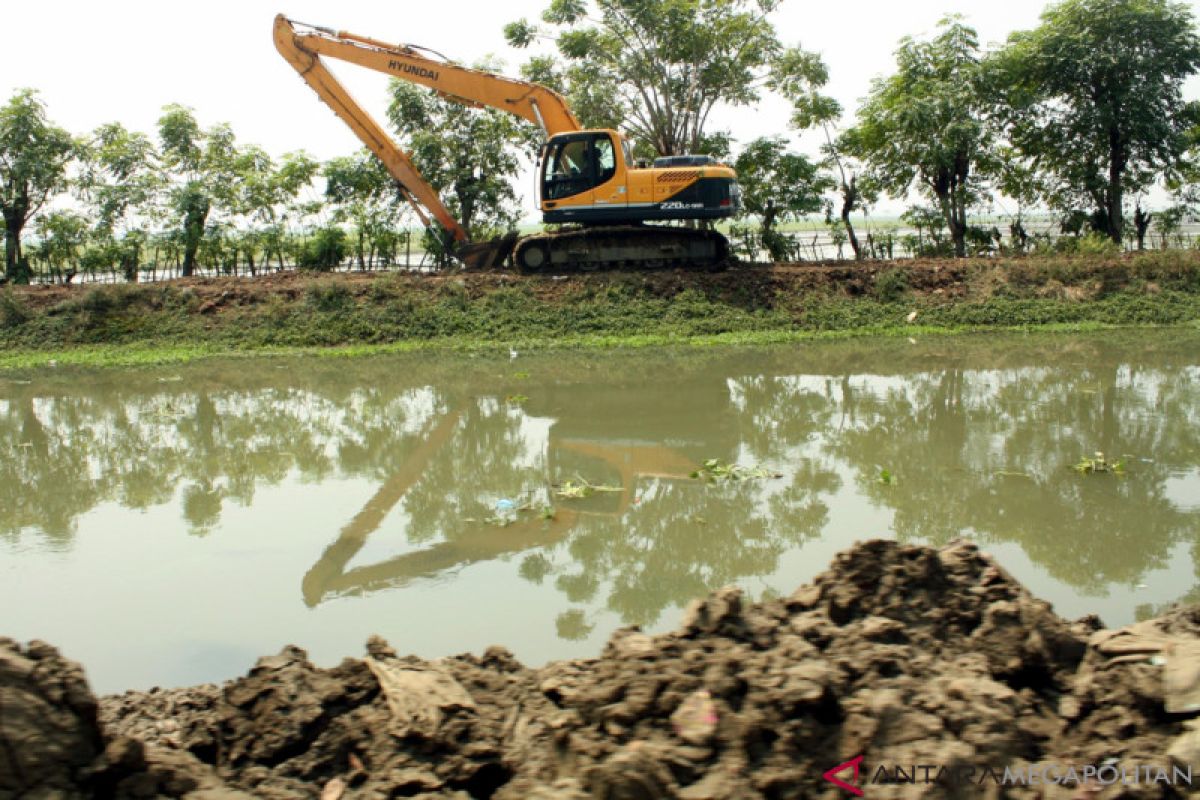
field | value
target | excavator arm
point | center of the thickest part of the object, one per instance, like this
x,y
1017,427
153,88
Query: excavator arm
x,y
303,47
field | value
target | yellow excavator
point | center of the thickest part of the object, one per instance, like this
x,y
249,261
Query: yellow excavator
x,y
586,178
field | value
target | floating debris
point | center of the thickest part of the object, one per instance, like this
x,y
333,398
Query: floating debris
x,y
716,470
1098,463
579,488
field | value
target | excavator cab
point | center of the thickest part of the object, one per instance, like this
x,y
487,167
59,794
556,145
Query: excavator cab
x,y
586,178
575,163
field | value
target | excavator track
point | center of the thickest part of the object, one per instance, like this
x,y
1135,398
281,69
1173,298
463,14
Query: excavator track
x,y
637,247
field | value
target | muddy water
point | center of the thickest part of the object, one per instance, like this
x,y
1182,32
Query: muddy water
x,y
168,526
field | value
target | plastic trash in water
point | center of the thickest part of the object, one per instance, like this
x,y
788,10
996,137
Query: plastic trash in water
x,y
505,504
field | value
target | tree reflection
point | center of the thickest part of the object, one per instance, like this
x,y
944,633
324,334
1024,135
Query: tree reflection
x,y
989,454
977,442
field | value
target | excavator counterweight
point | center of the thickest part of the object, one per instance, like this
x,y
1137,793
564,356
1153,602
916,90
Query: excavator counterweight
x,y
585,177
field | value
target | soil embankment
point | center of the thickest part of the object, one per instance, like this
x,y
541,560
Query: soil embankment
x,y
744,303
902,655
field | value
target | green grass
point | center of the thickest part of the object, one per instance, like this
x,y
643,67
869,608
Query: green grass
x,y
155,324
143,354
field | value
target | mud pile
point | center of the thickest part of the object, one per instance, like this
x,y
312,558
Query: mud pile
x,y
903,655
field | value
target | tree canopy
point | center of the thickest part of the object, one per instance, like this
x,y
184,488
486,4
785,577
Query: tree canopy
x,y
656,68
1093,97
801,82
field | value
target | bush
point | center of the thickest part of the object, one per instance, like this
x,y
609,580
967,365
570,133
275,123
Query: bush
x,y
105,299
891,285
13,311
1091,244
1096,244
327,296
325,250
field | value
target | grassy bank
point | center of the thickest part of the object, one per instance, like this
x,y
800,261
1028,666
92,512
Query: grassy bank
x,y
363,313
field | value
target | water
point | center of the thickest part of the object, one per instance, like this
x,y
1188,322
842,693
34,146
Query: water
x,y
167,526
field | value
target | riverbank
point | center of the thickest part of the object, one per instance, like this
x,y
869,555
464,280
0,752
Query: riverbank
x,y
904,656
354,314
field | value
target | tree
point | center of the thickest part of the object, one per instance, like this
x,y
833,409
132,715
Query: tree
x,y
1093,97
364,195
656,69
801,82
271,198
119,179
925,126
63,235
201,168
469,156
778,185
34,155
263,196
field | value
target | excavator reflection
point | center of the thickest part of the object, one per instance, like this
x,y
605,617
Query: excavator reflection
x,y
628,461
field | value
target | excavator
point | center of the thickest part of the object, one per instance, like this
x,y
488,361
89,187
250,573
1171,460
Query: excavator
x,y
587,179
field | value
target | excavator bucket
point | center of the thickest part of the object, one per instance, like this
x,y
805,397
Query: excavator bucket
x,y
487,255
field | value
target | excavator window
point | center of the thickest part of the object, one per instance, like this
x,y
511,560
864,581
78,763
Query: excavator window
x,y
606,163
575,163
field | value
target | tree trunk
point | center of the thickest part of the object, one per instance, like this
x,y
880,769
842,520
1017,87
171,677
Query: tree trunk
x,y
16,270
849,199
958,233
958,204
1116,169
1141,224
195,215
193,230
769,237
130,263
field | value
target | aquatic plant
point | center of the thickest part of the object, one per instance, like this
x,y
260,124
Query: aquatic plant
x,y
716,470
1098,463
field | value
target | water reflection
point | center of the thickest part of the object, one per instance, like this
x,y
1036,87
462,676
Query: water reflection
x,y
938,440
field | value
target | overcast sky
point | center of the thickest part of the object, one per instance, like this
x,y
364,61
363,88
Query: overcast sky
x,y
123,60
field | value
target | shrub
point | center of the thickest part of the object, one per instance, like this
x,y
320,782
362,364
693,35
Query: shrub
x,y
13,311
325,250
1096,244
891,285
103,300
327,296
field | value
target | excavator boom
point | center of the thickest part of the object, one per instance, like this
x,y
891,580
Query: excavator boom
x,y
303,46
541,106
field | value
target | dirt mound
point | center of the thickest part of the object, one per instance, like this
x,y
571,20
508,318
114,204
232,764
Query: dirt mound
x,y
901,655
52,744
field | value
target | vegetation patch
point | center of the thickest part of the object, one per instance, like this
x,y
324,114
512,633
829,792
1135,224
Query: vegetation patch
x,y
368,313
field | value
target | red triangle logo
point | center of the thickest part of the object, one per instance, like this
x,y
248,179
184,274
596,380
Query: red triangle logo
x,y
853,764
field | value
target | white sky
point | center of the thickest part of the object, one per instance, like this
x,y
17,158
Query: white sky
x,y
123,60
